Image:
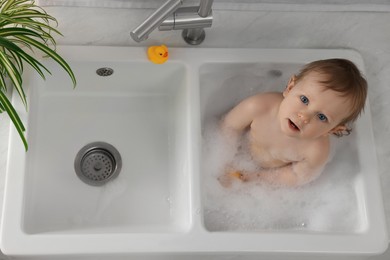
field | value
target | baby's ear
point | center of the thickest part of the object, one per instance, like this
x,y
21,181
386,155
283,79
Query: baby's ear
x,y
339,129
290,85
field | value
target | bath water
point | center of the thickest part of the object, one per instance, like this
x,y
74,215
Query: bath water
x,y
329,204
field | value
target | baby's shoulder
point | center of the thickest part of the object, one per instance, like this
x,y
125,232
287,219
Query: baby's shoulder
x,y
318,150
264,100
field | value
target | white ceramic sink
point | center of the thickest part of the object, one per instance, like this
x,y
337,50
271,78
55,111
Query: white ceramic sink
x,y
155,116
138,110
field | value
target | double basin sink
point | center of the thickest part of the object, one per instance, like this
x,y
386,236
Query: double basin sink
x,y
165,198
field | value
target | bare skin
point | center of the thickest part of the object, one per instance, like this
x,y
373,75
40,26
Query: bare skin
x,y
288,133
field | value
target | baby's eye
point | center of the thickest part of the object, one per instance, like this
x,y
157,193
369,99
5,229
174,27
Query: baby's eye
x,y
322,117
304,100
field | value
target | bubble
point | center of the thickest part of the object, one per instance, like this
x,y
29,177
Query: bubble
x,y
325,205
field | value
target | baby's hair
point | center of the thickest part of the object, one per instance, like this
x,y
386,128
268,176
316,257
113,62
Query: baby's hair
x,y
344,77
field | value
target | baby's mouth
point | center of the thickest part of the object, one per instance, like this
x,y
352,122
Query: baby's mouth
x,y
293,126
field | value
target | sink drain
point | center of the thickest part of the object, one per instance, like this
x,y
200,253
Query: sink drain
x,y
97,163
104,72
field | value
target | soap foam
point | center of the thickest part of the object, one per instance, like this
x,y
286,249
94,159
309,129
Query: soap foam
x,y
329,204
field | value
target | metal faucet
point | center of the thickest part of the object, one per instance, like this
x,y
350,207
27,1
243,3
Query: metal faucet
x,y
171,16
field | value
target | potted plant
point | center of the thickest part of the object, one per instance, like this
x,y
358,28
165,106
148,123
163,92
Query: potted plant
x,y
24,28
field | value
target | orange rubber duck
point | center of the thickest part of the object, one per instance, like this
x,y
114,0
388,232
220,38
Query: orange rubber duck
x,y
158,54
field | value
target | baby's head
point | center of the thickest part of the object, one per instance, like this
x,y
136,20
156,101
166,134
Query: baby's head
x,y
344,77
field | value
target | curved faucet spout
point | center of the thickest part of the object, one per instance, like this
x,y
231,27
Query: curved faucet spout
x,y
191,19
154,20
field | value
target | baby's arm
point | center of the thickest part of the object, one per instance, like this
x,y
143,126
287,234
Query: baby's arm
x,y
237,120
287,175
242,115
293,174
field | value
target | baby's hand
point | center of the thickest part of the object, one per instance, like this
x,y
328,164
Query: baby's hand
x,y
229,177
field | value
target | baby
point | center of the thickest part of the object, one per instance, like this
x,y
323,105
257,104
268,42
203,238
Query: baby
x,y
288,132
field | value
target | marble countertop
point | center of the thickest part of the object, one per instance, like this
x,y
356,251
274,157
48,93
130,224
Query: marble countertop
x,y
365,32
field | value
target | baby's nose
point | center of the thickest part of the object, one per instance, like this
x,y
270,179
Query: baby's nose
x,y
303,117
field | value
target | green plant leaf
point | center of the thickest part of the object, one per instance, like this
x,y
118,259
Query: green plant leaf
x,y
6,20
24,24
52,54
3,85
17,60
14,75
6,4
13,115
4,32
13,48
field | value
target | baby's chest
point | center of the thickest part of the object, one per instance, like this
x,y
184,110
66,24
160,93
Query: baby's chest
x,y
272,144
278,150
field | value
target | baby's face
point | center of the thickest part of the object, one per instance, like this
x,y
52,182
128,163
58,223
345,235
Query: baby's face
x,y
309,110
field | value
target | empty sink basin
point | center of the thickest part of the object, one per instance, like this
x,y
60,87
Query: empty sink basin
x,y
136,108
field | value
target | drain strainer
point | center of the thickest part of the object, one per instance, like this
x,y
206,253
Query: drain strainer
x,y
97,163
104,72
